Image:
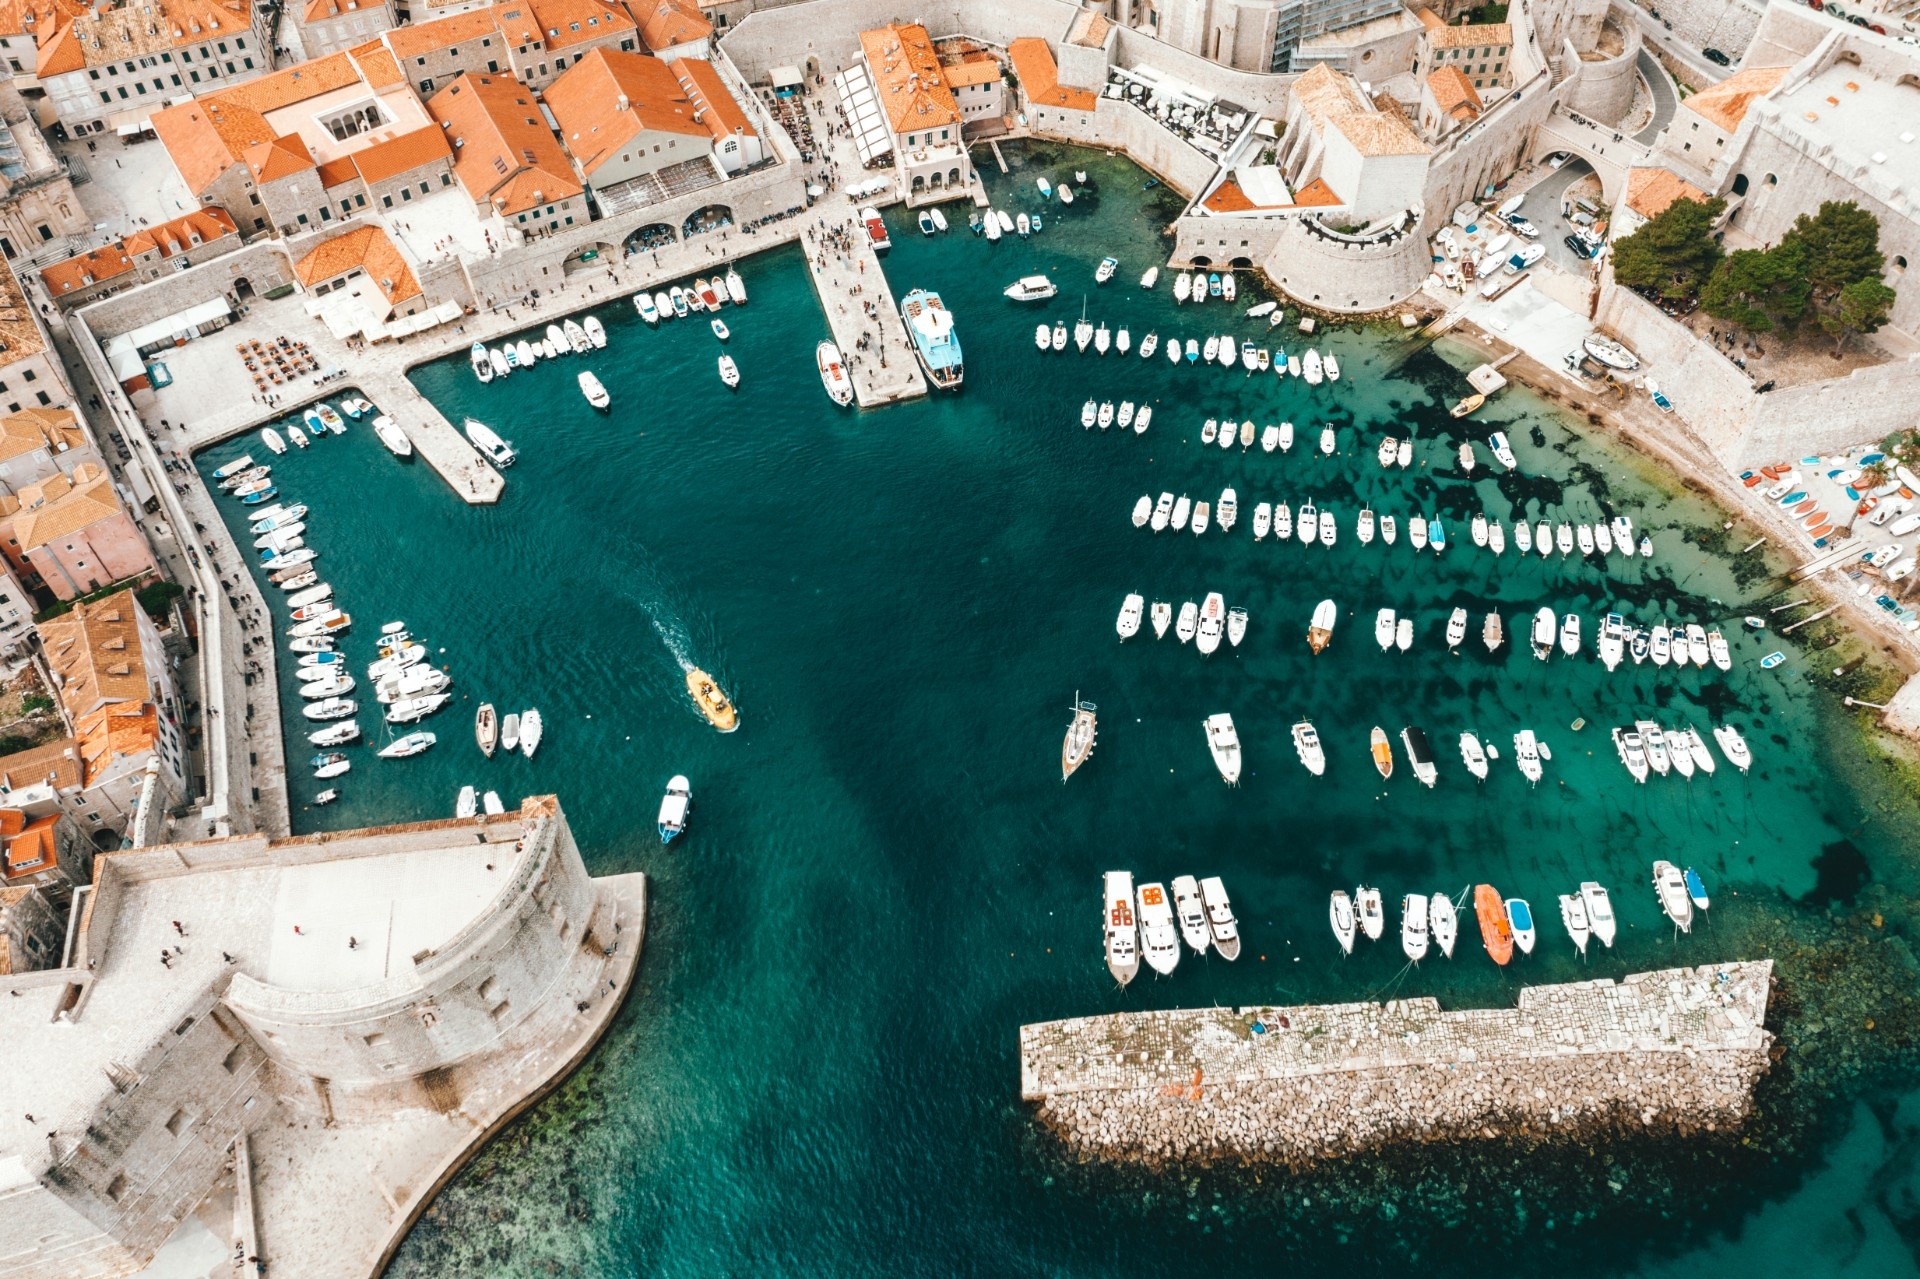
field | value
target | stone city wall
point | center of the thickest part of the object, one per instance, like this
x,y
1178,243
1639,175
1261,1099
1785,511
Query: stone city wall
x,y
1713,397
1125,127
1335,273
265,266
1680,1048
1602,89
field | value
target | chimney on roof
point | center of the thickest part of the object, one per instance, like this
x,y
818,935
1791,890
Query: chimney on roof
x,y
621,104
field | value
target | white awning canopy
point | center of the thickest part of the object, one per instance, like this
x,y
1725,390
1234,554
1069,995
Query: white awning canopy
x,y
786,77
864,114
169,329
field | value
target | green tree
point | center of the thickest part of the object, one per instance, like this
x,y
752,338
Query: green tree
x,y
1861,307
1838,246
1758,289
1674,253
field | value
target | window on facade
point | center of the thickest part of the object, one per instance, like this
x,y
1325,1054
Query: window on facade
x,y
45,400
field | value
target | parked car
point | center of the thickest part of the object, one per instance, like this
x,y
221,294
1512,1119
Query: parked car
x,y
1579,246
1716,57
1558,158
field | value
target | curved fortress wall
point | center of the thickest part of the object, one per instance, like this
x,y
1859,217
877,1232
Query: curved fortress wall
x,y
451,1002
1680,1048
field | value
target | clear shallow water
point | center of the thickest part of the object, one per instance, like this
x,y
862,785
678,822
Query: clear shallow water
x,y
884,876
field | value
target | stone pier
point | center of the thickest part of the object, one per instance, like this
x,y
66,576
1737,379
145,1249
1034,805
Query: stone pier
x,y
1679,1049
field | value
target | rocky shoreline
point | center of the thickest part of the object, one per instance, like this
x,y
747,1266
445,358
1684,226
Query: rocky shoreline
x,y
1675,1051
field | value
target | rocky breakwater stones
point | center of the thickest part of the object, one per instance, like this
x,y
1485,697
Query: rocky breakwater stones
x,y
1678,1049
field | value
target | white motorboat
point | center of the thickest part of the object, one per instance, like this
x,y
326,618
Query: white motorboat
x,y
1059,336
1224,744
411,744
1182,286
1310,367
1367,906
1124,418
1236,625
490,804
1697,647
1389,529
576,336
1492,633
557,341
1162,613
1523,536
1543,538
1042,337
1611,353
1502,451
1286,437
1520,922
644,305
1270,439
1320,629
1130,612
1526,755
1597,908
1456,628
530,732
1474,755
393,436
991,225
1327,440
502,365
491,446
1573,914
1584,537
1282,522
1211,349
481,361
1030,288
1570,634
1210,431
1181,509
720,329
1340,915
1202,517
736,285
1417,532
1613,637
328,686
1123,340
1142,419
1228,289
1083,333
1246,435
1192,913
1497,537
1162,512
1158,938
410,709
1444,922
1189,623
1420,755
1149,277
1364,529
597,394
1122,927
1389,448
1632,751
1103,272
1403,634
1142,511
1227,510
1733,746
1328,531
1249,355
1670,886
1262,521
1383,622
1698,752
1678,753
332,708
1306,741
1563,537
729,371
338,734
1413,926
1661,646
1602,539
510,732
1213,624
1220,921
1478,529
1149,345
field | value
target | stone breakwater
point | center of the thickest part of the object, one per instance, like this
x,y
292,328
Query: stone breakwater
x,y
1679,1049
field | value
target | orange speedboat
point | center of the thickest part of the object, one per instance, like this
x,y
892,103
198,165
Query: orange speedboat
x,y
1494,929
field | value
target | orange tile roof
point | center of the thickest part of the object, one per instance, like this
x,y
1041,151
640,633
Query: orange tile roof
x,y
1228,198
56,430
720,112
1429,19
1651,191
395,156
368,248
586,102
560,23
30,846
95,37
58,506
1316,194
109,260
907,77
335,172
321,10
1039,77
504,154
36,17
211,134
95,654
972,66
116,730
1725,104
1454,94
58,52
59,760
666,24
442,33
281,157
377,65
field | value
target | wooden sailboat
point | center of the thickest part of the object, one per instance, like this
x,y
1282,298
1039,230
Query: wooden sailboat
x,y
1495,931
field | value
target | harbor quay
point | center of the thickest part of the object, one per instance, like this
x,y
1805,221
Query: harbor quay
x,y
1678,1049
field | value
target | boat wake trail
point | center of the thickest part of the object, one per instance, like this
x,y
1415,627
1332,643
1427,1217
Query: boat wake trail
x,y
645,586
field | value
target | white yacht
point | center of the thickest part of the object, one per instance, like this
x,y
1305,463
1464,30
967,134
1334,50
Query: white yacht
x,y
1227,511
1340,915
1306,740
1130,613
1030,288
1220,920
1526,755
1282,522
1497,537
1262,521
1444,923
1413,926
1599,910
1654,742
491,446
1236,625
1632,752
1224,743
1328,529
1327,440
1373,919
1122,930
1366,525
1420,755
1456,628
1202,517
1523,536
1474,755
597,394
1383,629
1162,613
1733,746
1670,886
1158,938
1213,624
1573,913
1188,626
1162,512
1502,451
1192,913
1181,510
1613,636
1403,634
1570,634
1142,511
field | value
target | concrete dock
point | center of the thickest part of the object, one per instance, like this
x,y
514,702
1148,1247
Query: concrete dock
x,y
1679,1048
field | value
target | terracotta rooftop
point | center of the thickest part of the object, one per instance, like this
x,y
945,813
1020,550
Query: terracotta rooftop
x,y
60,505
95,655
1471,36
720,113
36,17
586,101
97,37
665,24
211,134
974,66
503,152
1726,103
377,64
1321,92
1039,77
365,247
395,156
58,761
907,78
19,335
56,430
1089,30
321,10
1454,94
444,33
560,24
1651,191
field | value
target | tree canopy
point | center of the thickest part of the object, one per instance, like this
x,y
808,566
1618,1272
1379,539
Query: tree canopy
x,y
1826,268
1674,253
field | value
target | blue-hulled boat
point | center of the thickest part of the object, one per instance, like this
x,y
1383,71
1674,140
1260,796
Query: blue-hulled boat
x,y
1696,888
930,325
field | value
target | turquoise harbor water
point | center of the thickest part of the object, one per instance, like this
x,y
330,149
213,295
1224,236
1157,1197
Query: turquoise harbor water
x,y
884,876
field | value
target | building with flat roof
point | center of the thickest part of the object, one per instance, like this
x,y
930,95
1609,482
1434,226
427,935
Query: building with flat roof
x,y
357,1011
1253,35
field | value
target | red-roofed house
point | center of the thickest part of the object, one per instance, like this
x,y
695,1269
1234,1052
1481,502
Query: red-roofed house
x,y
364,253
506,157
44,849
673,28
315,143
1039,76
736,143
112,66
918,111
145,255
533,41
331,26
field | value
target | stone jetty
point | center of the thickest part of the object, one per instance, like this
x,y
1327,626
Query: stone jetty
x,y
1679,1049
